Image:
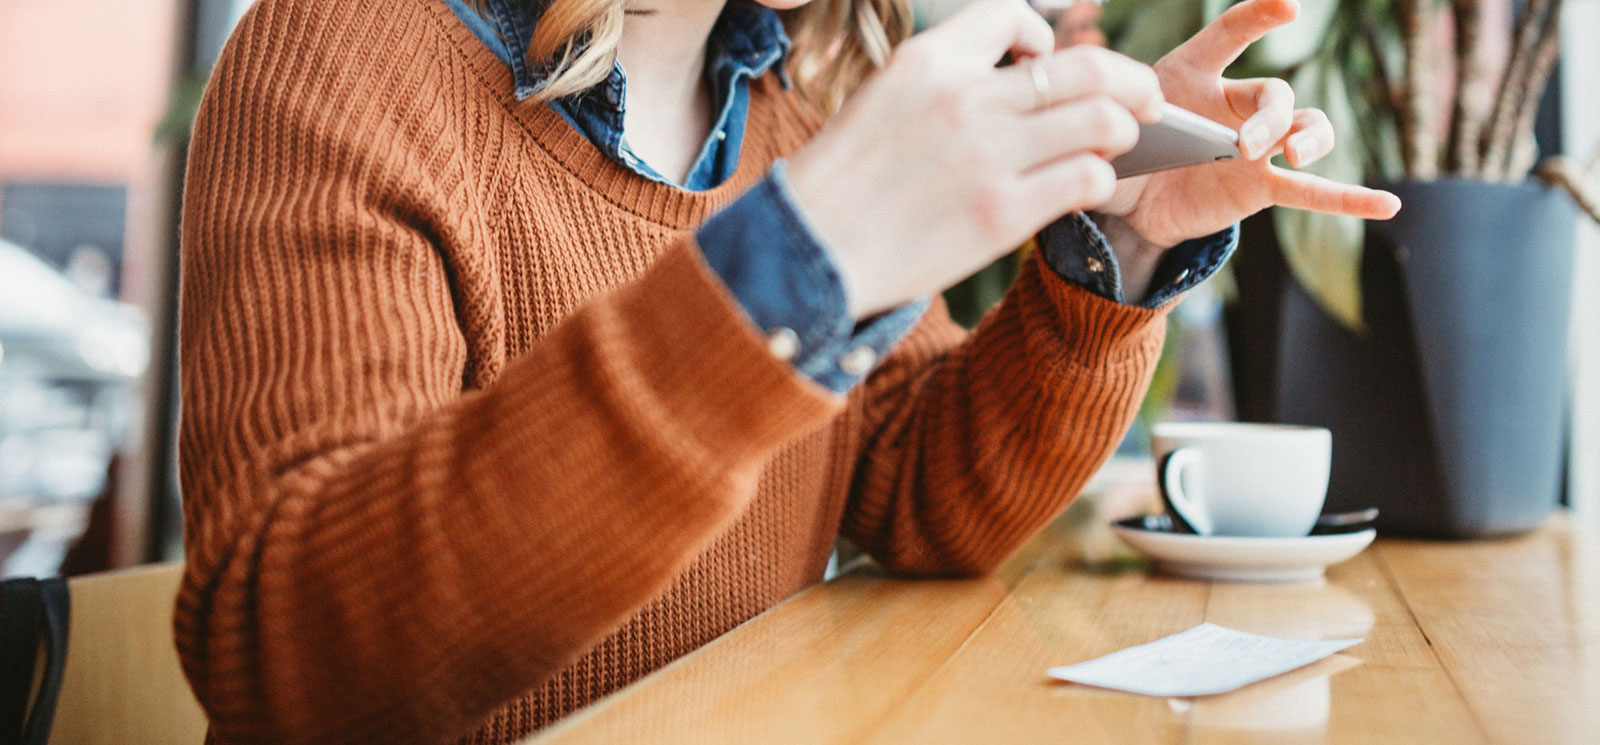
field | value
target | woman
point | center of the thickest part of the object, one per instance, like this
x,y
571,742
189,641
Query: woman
x,y
517,362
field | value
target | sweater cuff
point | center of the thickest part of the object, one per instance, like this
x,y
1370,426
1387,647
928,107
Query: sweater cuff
x,y
709,367
1101,333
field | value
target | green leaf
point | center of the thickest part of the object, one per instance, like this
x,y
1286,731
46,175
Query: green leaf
x,y
1158,27
1323,252
1115,17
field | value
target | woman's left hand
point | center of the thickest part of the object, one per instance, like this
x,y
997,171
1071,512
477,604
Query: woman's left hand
x,y
1169,207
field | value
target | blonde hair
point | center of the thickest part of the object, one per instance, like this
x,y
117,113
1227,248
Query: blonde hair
x,y
837,43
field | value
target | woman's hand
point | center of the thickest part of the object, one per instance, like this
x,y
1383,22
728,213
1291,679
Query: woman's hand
x,y
1172,206
943,162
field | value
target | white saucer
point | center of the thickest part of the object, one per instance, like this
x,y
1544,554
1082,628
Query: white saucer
x,y
1234,559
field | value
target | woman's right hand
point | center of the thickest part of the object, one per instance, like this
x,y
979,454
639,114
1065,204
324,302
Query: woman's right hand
x,y
943,162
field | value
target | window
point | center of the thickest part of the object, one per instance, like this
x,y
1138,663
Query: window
x,y
84,238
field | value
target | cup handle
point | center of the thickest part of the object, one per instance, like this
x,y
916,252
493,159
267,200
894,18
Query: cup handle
x,y
1187,517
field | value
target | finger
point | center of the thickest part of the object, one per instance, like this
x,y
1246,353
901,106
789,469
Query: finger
x,y
1080,72
1223,40
1076,182
1307,192
1267,107
1096,124
985,31
1309,139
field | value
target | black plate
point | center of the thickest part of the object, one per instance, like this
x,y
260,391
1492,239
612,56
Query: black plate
x,y
1329,524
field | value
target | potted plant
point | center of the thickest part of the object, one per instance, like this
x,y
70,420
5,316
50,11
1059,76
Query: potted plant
x,y
1433,345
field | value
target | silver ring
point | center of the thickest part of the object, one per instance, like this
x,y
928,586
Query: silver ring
x,y
1041,84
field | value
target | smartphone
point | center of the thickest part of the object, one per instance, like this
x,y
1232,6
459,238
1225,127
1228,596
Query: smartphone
x,y
1181,138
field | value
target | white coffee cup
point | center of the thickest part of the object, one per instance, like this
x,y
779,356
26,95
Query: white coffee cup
x,y
1238,479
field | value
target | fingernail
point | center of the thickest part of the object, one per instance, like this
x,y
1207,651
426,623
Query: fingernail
x,y
1304,146
1255,140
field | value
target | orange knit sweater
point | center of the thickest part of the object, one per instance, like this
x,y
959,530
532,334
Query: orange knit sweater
x,y
471,436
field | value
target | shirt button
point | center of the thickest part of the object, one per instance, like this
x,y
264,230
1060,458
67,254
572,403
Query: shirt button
x,y
858,361
1095,265
1183,275
784,343
721,135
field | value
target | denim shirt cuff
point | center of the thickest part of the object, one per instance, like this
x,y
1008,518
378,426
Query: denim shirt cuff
x,y
775,266
1188,264
1078,252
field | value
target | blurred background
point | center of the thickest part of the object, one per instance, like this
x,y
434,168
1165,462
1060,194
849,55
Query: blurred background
x,y
96,97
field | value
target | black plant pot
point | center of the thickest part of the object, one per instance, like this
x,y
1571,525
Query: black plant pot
x,y
1448,412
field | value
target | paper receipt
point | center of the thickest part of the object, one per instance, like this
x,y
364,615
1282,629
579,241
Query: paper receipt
x,y
1204,660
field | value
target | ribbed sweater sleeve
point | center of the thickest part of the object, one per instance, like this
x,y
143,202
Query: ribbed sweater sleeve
x,y
973,442
375,555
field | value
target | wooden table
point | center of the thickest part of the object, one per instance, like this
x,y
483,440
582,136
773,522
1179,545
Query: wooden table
x,y
1466,642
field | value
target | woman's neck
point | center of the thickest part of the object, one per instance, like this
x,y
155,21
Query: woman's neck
x,y
668,109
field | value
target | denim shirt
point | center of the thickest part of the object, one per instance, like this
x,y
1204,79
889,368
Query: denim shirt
x,y
761,246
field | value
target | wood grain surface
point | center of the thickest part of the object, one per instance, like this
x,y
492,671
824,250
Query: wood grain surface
x,y
1466,642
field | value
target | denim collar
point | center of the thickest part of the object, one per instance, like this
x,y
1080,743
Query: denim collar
x,y
748,38
746,41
